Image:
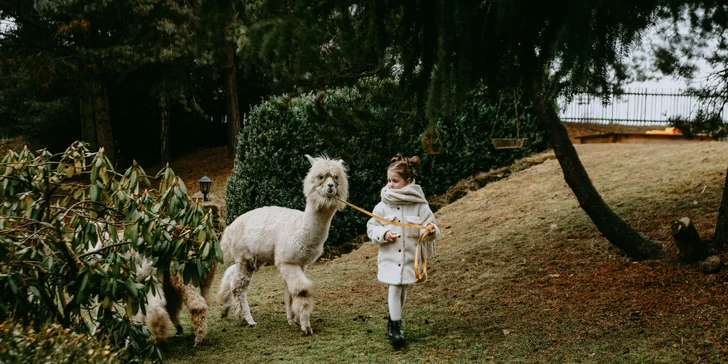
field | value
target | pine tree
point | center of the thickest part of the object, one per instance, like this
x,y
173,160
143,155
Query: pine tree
x,y
85,45
544,48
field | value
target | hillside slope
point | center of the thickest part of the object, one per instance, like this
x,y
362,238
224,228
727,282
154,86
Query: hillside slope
x,y
521,275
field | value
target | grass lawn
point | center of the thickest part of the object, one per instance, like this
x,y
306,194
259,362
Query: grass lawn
x,y
521,275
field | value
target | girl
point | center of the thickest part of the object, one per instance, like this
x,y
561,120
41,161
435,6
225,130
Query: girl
x,y
402,201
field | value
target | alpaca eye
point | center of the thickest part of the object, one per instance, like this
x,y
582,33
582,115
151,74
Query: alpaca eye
x,y
320,177
336,178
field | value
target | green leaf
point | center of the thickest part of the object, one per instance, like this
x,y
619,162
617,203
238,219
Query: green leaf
x,y
129,308
131,233
133,183
84,282
205,251
112,231
182,187
202,235
94,193
13,286
94,174
218,251
104,176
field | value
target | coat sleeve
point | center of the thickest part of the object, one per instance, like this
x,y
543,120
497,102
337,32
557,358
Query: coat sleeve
x,y
428,218
375,228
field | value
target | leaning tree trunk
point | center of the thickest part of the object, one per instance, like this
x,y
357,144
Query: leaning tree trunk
x,y
104,136
616,230
720,238
231,98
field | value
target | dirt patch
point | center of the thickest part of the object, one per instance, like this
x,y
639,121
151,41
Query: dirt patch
x,y
193,165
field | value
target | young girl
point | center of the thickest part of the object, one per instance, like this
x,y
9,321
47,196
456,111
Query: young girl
x,y
402,201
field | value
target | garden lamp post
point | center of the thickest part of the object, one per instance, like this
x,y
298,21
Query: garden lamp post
x,y
205,183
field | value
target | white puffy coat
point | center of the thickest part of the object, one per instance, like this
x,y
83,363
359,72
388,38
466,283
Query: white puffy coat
x,y
396,259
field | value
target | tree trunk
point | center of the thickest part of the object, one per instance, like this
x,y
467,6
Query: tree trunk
x,y
687,239
231,98
616,230
165,148
88,123
104,135
720,238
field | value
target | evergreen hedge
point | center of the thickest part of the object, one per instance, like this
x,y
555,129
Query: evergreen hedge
x,y
365,126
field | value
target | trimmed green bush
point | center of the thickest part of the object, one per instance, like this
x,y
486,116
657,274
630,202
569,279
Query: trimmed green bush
x,y
365,126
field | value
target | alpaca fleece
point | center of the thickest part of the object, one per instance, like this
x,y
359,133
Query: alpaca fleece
x,y
289,239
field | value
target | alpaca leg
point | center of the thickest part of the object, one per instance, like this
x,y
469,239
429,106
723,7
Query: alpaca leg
x,y
157,317
197,307
299,292
241,285
195,303
224,293
288,300
174,301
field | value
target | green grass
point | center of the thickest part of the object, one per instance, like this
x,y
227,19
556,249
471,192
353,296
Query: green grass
x,y
521,276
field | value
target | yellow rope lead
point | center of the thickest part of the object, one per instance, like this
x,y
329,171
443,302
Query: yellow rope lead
x,y
420,261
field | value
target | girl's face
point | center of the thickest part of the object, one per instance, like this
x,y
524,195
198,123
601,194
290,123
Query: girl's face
x,y
395,181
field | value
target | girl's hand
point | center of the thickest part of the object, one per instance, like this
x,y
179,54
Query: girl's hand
x,y
390,236
431,229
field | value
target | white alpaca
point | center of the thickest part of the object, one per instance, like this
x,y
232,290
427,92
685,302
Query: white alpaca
x,y
289,239
157,318
170,294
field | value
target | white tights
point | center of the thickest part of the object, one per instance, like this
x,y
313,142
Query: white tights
x,y
397,297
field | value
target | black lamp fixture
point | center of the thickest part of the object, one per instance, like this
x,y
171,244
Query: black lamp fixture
x,y
205,183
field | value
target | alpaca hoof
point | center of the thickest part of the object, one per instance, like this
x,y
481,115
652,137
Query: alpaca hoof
x,y
198,340
251,323
179,329
307,331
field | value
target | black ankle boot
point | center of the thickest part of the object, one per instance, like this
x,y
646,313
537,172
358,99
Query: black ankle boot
x,y
397,336
390,332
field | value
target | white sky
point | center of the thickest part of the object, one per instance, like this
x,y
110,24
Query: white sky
x,y
646,107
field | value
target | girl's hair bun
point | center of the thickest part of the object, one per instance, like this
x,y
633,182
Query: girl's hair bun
x,y
404,166
397,157
413,161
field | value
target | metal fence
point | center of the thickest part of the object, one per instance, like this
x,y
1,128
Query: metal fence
x,y
633,107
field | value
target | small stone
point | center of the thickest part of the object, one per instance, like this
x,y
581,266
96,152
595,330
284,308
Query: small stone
x,y
711,264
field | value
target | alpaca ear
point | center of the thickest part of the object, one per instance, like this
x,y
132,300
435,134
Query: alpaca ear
x,y
341,162
310,159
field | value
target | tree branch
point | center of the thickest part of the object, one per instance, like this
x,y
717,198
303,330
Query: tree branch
x,y
103,248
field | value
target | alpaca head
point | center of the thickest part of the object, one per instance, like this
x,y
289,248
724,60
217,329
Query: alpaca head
x,y
301,308
326,183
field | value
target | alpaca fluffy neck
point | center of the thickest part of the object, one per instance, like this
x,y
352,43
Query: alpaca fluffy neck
x,y
316,223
